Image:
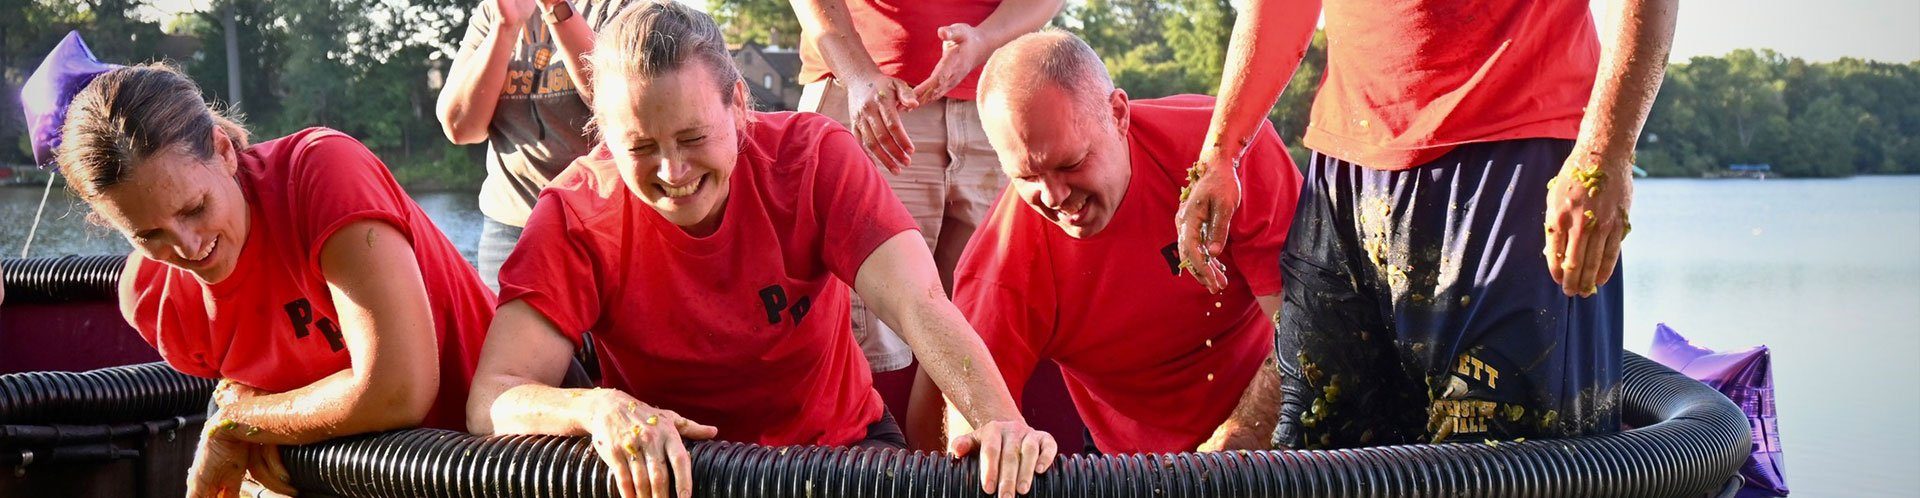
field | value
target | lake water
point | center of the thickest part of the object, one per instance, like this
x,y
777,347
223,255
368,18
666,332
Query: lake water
x,y
1827,272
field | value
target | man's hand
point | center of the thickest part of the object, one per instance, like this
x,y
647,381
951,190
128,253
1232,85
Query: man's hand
x,y
219,463
1010,454
1587,205
264,468
963,48
874,105
1206,211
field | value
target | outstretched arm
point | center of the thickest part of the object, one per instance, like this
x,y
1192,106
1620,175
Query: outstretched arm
x,y
386,323
1587,203
899,282
1269,39
387,327
515,392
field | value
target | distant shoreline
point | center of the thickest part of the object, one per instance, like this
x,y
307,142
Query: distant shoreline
x,y
435,186
17,176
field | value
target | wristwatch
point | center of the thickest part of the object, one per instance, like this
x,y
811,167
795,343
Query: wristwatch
x,y
557,12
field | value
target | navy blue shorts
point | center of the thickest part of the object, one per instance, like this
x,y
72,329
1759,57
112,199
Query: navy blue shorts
x,y
1418,307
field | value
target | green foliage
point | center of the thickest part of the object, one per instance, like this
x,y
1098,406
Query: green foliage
x,y
261,49
1155,48
360,66
448,167
766,22
1841,118
1128,35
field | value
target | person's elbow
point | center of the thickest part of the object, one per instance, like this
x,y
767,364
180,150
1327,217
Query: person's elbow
x,y
455,124
480,404
463,134
398,402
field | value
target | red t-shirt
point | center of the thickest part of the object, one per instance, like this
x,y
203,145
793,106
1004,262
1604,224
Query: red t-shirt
x,y
904,39
1129,333
1408,81
272,324
745,329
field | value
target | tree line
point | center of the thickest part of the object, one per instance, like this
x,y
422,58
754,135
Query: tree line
x,y
1841,118
370,68
1803,119
364,67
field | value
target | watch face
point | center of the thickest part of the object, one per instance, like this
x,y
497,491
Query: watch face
x,y
559,11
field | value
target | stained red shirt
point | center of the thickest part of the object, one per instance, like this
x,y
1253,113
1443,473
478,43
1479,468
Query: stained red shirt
x,y
745,329
1154,362
1409,80
272,324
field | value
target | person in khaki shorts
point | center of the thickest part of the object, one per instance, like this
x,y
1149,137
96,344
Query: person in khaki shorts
x,y
900,75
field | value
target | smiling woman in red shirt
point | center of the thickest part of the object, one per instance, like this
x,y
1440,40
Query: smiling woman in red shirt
x,y
711,250
295,270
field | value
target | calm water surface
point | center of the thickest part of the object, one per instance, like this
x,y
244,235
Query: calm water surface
x,y
1827,272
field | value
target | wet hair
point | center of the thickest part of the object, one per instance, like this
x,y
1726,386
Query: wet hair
x,y
126,115
648,40
1046,57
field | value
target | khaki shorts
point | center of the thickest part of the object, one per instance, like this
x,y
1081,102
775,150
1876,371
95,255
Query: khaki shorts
x,y
948,186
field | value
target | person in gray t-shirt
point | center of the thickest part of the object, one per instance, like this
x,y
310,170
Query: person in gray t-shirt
x,y
519,85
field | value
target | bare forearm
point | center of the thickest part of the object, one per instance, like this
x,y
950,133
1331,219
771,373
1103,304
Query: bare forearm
x,y
337,405
900,283
574,40
957,361
829,25
523,406
1633,61
474,85
1014,18
1259,406
1269,41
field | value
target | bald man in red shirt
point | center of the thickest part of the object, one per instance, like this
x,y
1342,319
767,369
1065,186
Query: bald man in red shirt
x,y
1076,263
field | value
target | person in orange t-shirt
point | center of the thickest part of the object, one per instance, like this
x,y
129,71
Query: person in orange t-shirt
x,y
900,75
711,251
1453,272
1077,265
295,270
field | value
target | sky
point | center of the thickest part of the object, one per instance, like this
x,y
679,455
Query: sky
x,y
1824,30
1885,30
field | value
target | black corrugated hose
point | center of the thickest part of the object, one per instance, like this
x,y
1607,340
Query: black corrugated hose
x,y
131,393
56,417
1690,440
64,278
